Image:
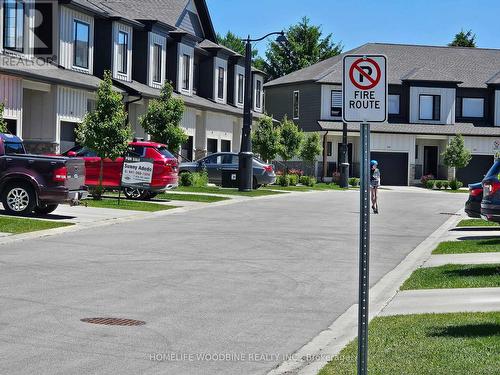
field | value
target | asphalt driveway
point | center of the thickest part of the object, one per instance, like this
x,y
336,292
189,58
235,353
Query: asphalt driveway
x,y
223,290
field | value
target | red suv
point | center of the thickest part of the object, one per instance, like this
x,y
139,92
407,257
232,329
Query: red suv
x,y
165,169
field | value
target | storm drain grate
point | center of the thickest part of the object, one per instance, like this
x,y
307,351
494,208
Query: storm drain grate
x,y
113,321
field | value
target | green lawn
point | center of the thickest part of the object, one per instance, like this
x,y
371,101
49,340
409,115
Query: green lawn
x,y
18,225
454,276
218,190
127,205
318,187
192,197
486,245
427,344
476,223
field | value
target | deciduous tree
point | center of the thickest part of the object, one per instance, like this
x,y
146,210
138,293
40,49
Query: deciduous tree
x,y
266,138
290,140
3,123
311,148
456,155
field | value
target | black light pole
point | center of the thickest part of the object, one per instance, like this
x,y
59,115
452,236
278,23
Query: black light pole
x,y
245,170
344,159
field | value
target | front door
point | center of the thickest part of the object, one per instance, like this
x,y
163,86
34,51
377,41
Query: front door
x,y
431,160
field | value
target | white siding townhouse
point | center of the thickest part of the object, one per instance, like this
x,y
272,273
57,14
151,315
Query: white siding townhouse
x,y
53,55
434,94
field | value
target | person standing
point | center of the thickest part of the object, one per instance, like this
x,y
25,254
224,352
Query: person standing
x,y
374,184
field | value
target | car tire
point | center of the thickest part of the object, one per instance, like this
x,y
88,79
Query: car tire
x,y
136,194
45,209
255,184
19,198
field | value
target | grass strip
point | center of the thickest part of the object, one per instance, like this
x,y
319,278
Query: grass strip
x,y
477,223
125,204
16,225
483,245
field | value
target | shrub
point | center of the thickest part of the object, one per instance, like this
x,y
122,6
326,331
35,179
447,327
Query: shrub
x,y
429,184
186,179
446,184
439,184
455,185
308,181
294,179
298,172
426,178
354,181
283,180
200,179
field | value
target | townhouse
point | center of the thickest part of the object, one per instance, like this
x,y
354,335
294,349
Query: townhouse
x,y
434,94
53,55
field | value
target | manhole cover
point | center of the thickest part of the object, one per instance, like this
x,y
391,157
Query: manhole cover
x,y
113,321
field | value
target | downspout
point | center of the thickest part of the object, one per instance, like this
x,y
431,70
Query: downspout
x,y
325,157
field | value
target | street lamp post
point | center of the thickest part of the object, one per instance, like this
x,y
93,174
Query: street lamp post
x,y
245,170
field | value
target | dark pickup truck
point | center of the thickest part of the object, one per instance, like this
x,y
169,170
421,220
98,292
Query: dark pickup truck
x,y
35,183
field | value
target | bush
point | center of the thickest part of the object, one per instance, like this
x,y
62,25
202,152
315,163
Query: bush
x,y
308,181
186,179
455,185
426,178
283,180
429,184
446,184
354,181
439,184
294,179
298,172
200,179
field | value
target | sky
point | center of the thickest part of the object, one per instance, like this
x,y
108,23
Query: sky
x,y
356,22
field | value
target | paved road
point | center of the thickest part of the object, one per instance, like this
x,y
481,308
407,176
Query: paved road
x,y
252,279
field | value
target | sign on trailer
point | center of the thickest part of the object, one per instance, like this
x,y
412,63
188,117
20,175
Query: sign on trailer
x,y
364,88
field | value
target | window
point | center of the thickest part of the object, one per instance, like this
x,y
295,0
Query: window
x,y
296,104
212,145
122,52
164,151
241,86
186,71
81,45
430,107
157,50
329,148
11,126
220,83
13,25
225,145
394,104
134,150
336,103
14,148
473,107
258,94
68,133
416,152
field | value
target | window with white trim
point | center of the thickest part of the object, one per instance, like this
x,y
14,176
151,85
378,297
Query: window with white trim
x,y
430,107
13,25
122,58
157,62
258,93
394,104
241,86
296,104
81,44
220,82
473,107
186,71
336,103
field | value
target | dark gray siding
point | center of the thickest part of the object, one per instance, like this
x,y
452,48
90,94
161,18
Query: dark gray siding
x,y
190,23
172,62
103,45
489,100
404,103
140,57
279,102
206,86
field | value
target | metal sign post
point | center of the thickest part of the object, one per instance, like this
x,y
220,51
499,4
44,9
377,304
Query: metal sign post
x,y
364,251
364,89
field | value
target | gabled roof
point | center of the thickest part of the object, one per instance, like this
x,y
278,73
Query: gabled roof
x,y
467,67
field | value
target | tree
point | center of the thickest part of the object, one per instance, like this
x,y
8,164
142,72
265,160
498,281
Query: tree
x,y
306,46
311,148
464,39
290,139
105,130
235,43
3,124
163,118
266,138
456,155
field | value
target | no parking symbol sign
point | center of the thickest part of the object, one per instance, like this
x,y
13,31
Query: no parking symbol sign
x,y
365,88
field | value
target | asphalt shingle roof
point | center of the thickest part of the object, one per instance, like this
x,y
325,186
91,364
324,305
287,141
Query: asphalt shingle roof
x,y
470,67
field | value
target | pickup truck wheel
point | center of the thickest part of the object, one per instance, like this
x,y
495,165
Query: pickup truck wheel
x,y
19,199
45,209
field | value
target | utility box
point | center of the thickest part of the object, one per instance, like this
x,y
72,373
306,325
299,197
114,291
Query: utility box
x,y
229,178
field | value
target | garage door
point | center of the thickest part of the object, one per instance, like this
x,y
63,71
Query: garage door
x,y
476,170
393,167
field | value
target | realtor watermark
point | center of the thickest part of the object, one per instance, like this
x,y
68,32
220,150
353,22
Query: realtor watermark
x,y
243,357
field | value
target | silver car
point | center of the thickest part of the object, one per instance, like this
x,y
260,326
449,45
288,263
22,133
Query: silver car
x,y
263,173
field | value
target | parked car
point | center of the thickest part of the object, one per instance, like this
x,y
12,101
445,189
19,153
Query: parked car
x,y
35,183
165,168
473,204
263,173
490,206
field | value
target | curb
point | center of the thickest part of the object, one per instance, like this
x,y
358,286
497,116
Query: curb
x,y
313,356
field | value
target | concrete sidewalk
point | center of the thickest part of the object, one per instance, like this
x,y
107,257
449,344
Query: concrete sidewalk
x,y
444,301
